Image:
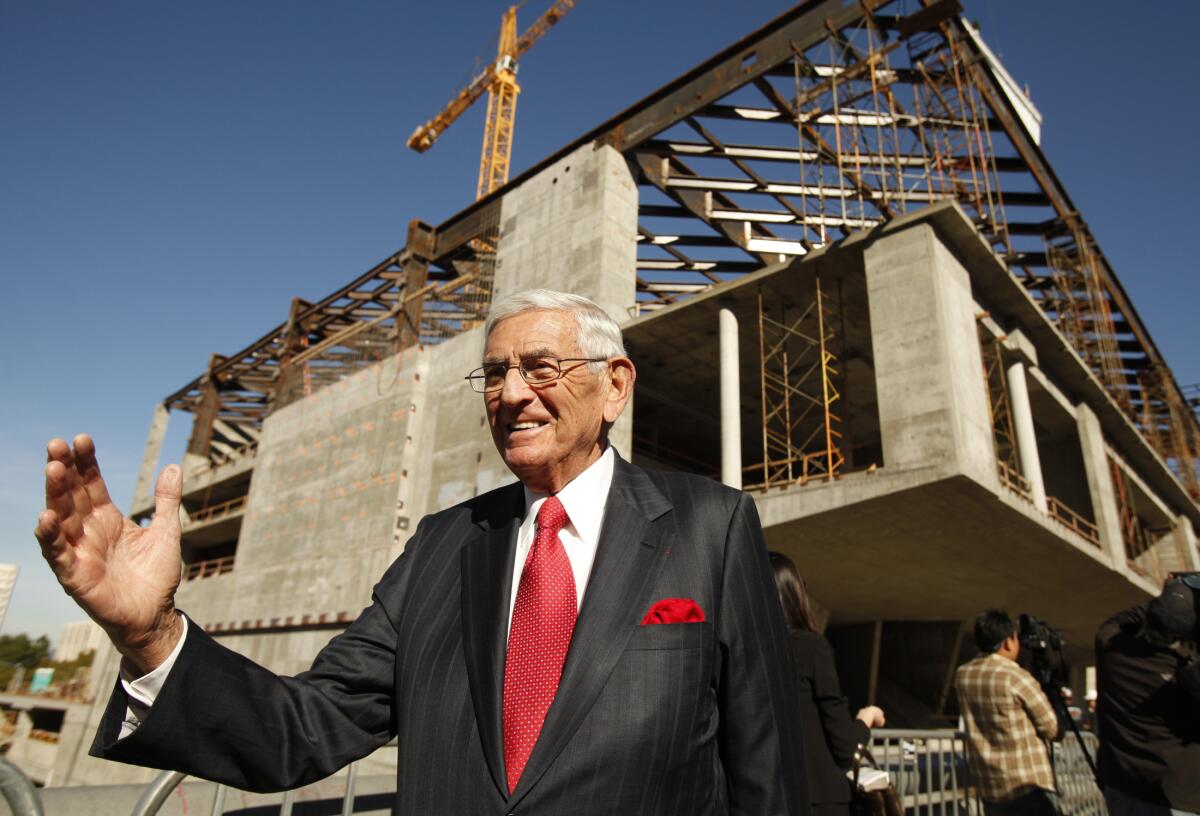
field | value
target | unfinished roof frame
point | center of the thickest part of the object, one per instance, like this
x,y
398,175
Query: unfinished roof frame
x,y
834,117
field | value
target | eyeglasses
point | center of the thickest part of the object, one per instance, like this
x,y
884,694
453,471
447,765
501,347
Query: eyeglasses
x,y
534,370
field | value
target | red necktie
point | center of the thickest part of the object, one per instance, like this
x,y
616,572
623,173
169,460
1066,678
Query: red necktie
x,y
543,619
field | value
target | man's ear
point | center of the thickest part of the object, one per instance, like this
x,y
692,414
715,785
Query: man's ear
x,y
619,382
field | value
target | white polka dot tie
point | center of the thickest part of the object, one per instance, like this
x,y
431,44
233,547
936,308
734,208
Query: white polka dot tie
x,y
543,619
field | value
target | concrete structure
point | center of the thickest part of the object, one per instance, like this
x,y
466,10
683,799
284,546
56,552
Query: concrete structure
x,y
922,419
78,637
926,527
30,732
8,580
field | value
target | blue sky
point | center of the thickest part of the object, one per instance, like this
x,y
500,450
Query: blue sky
x,y
171,175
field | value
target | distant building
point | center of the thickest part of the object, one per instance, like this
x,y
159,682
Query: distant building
x,y
78,637
8,579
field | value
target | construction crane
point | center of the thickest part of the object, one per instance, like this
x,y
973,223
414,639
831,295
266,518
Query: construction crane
x,y
499,81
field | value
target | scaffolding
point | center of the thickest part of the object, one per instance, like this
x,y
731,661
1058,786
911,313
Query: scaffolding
x,y
800,387
1165,421
1080,307
831,119
439,285
1004,435
1139,548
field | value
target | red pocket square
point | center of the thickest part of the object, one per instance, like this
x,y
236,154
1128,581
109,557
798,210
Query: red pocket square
x,y
674,610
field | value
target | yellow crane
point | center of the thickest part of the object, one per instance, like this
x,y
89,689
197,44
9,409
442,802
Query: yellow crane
x,y
499,81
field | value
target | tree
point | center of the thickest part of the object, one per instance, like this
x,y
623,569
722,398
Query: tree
x,y
20,650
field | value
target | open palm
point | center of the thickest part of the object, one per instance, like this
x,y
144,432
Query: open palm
x,y
124,576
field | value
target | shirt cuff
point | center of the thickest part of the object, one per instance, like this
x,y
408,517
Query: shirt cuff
x,y
142,691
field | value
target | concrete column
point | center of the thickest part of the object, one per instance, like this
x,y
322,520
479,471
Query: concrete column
x,y
731,398
1031,463
154,442
1186,536
1100,487
933,408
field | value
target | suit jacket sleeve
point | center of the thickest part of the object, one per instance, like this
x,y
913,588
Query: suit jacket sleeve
x,y
843,733
759,730
222,717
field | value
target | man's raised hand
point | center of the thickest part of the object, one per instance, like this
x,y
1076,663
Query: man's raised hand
x,y
124,576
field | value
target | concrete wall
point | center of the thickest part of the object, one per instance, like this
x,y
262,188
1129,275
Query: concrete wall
x,y
316,533
573,227
35,757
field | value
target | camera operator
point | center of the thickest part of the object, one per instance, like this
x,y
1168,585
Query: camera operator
x,y
1007,718
1149,704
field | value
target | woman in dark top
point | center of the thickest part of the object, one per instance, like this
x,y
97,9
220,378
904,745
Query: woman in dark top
x,y
830,733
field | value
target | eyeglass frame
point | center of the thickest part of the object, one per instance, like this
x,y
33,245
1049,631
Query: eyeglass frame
x,y
478,372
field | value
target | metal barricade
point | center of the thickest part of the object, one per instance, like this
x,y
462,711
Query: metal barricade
x,y
928,768
930,772
20,794
1077,790
164,784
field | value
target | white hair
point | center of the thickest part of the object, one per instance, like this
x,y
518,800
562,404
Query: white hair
x,y
597,334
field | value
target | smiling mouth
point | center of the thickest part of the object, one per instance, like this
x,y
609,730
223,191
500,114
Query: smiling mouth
x,y
524,426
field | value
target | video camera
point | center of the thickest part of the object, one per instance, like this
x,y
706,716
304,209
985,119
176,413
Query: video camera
x,y
1044,646
1043,654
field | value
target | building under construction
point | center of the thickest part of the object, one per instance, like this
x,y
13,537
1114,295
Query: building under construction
x,y
850,282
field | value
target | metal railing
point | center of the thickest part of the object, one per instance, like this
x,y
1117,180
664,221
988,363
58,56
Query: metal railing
x,y
927,766
20,794
1071,520
929,769
206,569
1014,481
163,785
1077,790
216,511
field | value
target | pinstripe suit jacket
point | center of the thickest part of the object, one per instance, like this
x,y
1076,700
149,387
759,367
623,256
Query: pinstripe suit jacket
x,y
696,718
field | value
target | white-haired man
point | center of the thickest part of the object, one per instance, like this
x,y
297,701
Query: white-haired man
x,y
597,639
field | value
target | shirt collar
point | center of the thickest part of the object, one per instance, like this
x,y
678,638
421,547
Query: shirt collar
x,y
583,497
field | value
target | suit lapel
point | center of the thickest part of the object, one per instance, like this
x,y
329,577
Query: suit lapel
x,y
628,556
487,563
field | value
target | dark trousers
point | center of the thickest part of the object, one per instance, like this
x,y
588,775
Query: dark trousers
x,y
1037,802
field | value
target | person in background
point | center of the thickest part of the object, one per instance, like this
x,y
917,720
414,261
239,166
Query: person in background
x,y
1089,717
831,735
1007,716
1148,717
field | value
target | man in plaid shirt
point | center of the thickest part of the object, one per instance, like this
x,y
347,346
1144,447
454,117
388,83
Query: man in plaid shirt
x,y
1008,718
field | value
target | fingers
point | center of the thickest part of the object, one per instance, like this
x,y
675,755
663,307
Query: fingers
x,y
49,535
88,468
167,494
60,498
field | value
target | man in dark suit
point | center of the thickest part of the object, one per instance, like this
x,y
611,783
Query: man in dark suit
x,y
596,639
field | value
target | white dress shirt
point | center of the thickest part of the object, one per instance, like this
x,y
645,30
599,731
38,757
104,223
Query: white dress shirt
x,y
143,690
584,498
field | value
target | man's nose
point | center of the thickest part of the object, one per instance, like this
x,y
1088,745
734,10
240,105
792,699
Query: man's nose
x,y
515,389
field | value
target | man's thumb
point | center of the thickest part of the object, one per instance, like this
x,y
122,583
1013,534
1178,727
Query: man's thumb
x,y
167,494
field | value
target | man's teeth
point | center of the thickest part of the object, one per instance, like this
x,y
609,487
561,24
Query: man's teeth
x,y
525,426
